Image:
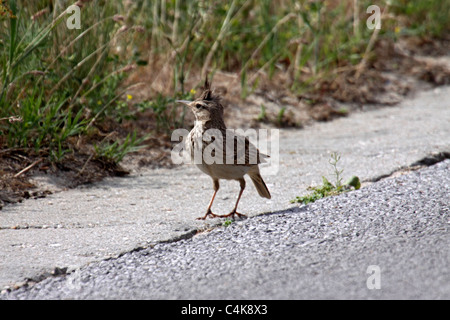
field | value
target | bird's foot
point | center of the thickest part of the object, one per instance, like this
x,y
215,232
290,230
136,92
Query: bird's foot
x,y
232,213
208,213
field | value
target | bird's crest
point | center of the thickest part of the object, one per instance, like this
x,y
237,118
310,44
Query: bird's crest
x,y
207,93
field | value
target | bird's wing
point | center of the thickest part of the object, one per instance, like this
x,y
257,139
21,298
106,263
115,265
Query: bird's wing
x,y
232,149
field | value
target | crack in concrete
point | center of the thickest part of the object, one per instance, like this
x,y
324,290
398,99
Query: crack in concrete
x,y
427,161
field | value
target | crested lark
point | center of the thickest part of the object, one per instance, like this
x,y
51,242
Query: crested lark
x,y
236,155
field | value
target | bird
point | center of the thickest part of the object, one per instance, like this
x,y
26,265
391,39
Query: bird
x,y
239,156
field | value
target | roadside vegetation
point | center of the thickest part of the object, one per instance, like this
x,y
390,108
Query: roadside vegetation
x,y
327,188
79,100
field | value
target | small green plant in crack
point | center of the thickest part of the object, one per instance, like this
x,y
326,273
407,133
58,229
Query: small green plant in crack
x,y
227,222
327,188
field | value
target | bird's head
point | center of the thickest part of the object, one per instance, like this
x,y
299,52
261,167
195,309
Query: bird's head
x,y
207,106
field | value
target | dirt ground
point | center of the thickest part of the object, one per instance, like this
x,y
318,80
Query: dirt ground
x,y
398,70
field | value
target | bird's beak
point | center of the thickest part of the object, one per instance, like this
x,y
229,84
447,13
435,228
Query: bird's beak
x,y
186,102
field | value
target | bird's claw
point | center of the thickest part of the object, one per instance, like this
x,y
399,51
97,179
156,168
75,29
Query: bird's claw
x,y
208,213
213,215
232,213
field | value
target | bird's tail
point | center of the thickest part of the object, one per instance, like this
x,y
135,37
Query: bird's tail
x,y
260,184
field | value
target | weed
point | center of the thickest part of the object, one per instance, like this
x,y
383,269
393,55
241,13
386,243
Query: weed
x,y
335,157
327,188
227,222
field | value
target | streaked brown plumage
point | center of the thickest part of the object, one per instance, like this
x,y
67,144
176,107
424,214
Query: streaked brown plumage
x,y
245,156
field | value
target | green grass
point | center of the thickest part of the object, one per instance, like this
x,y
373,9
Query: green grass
x,y
51,75
303,39
115,152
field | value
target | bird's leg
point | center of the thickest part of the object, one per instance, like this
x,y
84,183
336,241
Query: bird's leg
x,y
234,211
208,211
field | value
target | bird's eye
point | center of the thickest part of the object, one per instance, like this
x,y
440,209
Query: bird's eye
x,y
199,106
